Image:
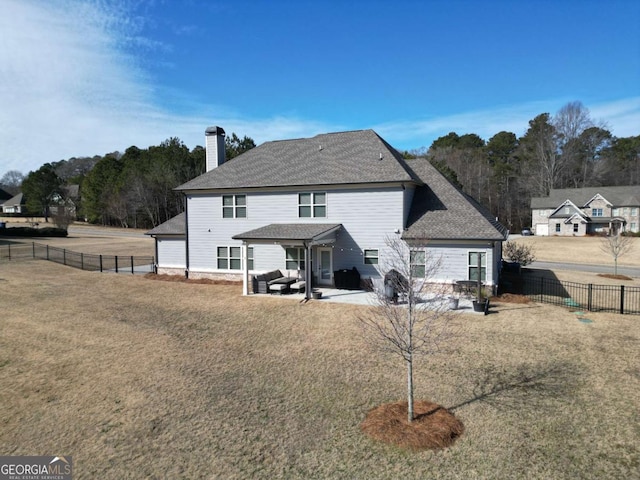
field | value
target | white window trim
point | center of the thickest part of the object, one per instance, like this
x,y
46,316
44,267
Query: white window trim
x,y
299,260
486,265
422,264
312,205
365,257
234,208
228,258
599,210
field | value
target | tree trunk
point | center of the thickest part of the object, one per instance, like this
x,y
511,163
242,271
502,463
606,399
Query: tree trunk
x,y
410,388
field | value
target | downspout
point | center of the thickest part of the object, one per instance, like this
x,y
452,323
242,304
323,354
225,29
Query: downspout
x,y
186,238
245,268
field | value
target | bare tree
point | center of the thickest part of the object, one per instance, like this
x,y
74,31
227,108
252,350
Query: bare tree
x,y
402,321
616,246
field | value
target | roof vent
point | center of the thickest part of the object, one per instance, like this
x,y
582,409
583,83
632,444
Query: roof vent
x,y
380,155
319,148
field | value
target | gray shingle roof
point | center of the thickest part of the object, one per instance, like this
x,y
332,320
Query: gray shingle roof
x,y
15,200
618,196
328,159
442,212
173,226
288,231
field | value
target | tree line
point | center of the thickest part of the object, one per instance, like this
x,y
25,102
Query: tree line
x,y
566,150
130,189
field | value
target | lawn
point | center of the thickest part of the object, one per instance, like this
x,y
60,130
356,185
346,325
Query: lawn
x,y
137,378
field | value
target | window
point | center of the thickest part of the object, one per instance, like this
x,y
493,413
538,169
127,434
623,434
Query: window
x,y
576,226
294,258
473,266
417,259
371,256
312,204
625,211
567,210
633,227
229,258
543,213
596,212
557,228
250,258
234,206
634,212
615,212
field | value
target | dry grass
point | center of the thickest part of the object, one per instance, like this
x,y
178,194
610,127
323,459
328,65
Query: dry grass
x,y
578,250
145,379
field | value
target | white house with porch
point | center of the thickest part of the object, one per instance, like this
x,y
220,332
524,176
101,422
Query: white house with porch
x,y
314,207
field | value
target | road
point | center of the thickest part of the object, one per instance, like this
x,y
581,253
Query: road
x,y
629,271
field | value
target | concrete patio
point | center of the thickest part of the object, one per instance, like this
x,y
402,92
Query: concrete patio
x,y
363,297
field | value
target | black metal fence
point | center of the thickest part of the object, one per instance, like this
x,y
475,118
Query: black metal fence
x,y
84,261
591,297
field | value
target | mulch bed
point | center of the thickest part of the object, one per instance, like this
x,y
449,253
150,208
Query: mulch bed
x,y
511,298
182,279
434,427
614,277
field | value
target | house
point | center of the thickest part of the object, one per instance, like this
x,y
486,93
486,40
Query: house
x,y
15,204
582,211
66,202
312,207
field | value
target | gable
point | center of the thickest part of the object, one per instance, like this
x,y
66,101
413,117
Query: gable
x,y
566,210
442,212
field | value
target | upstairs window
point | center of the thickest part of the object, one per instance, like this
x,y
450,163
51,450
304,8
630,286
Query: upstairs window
x,y
596,212
567,210
634,212
234,206
615,212
473,266
312,205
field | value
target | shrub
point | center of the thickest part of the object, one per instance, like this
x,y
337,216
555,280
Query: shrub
x,y
33,232
522,254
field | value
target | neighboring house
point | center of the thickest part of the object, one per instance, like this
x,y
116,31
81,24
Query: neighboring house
x,y
15,204
66,201
313,206
582,211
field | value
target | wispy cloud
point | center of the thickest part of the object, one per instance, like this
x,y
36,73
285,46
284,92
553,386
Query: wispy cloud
x,y
621,117
71,86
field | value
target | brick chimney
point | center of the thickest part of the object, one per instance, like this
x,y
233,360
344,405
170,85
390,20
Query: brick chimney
x,y
214,145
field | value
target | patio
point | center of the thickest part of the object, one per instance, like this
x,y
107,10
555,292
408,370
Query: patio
x,y
363,297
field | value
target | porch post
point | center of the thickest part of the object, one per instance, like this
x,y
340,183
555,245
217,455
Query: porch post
x,y
307,271
245,268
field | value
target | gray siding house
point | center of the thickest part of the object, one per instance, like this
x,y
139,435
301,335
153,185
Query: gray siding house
x,y
582,211
313,206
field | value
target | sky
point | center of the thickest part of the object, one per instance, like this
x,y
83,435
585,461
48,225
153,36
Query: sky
x,y
89,77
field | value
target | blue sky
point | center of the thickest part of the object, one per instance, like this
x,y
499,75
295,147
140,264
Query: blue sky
x,y
79,78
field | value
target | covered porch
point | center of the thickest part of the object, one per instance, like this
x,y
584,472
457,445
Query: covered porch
x,y
309,237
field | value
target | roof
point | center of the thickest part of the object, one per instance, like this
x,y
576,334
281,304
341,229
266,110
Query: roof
x,y
328,159
173,226
289,231
440,211
15,200
4,195
618,196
